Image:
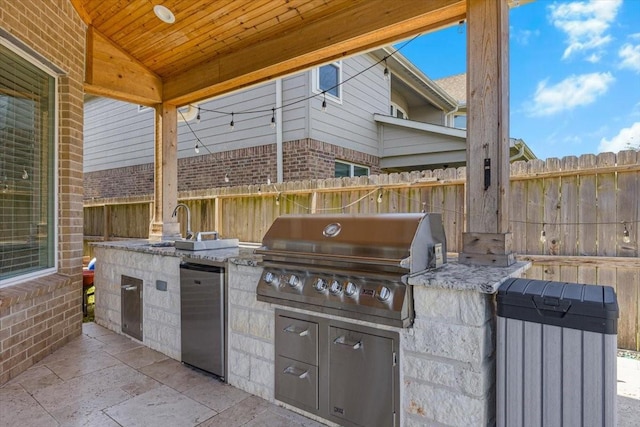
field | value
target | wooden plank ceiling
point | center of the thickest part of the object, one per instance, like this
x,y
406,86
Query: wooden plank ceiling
x,y
216,46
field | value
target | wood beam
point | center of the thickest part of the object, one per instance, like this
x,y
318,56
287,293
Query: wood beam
x,y
487,240
379,22
113,73
163,226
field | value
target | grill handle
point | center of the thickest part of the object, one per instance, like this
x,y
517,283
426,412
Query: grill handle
x,y
342,340
290,370
298,331
130,288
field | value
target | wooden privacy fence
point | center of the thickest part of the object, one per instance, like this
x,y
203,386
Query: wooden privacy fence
x,y
576,218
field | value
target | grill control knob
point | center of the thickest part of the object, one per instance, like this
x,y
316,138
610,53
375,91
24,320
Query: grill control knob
x,y
335,288
351,289
294,281
271,278
385,294
320,285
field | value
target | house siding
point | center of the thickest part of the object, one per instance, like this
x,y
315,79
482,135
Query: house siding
x,y
50,306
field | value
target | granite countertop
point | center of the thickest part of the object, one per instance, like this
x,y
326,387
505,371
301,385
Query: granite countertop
x,y
242,255
453,275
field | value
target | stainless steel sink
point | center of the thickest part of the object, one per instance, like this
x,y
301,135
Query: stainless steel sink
x,y
201,245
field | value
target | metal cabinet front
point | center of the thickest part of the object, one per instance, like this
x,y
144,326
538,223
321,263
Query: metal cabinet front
x,y
131,309
297,339
361,378
297,383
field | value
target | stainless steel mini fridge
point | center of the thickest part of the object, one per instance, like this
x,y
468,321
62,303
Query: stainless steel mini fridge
x,y
203,317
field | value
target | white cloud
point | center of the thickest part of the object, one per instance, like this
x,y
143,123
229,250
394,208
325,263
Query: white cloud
x,y
522,37
574,91
626,138
585,24
630,56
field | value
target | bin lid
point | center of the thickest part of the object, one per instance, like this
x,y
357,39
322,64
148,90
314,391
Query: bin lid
x,y
572,305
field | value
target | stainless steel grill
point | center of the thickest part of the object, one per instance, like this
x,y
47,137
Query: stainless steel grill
x,y
350,265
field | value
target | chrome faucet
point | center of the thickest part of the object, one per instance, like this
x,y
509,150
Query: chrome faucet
x,y
175,212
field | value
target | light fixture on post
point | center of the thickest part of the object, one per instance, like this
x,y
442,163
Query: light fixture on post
x,y
164,14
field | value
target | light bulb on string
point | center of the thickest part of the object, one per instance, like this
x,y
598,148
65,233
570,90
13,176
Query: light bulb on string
x,y
278,200
268,180
226,177
197,148
232,124
626,238
543,236
380,196
461,27
25,174
198,116
386,70
273,118
324,101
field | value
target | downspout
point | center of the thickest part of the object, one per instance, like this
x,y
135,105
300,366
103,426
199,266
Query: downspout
x,y
280,173
448,121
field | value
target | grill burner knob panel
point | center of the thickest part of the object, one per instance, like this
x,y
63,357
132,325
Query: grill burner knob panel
x,y
320,285
385,294
271,278
335,288
351,289
294,281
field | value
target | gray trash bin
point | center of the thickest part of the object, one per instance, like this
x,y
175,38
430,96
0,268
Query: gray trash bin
x,y
556,354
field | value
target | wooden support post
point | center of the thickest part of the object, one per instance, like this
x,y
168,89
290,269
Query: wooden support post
x,y
106,224
163,226
487,240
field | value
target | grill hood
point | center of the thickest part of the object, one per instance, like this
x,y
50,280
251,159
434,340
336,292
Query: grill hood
x,y
384,242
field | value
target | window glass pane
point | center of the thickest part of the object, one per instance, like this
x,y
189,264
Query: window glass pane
x,y
342,170
360,171
329,79
26,166
460,122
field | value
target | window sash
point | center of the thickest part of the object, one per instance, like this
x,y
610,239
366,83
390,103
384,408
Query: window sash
x,y
27,167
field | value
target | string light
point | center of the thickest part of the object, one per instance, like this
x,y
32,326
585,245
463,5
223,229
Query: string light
x,y
25,175
543,235
198,116
626,238
278,200
197,148
232,124
226,177
273,118
380,196
386,69
268,180
461,27
324,101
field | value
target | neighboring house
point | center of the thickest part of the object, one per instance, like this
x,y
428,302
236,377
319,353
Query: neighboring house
x,y
346,118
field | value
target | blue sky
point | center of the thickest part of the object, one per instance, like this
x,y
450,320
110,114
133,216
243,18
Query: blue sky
x,y
575,73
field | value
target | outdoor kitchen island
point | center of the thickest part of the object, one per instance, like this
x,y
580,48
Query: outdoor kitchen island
x,y
446,358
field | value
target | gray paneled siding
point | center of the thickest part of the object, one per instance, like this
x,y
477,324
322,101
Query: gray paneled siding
x,y
351,124
116,135
294,116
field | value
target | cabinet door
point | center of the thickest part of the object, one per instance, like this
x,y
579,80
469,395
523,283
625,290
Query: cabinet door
x,y
361,386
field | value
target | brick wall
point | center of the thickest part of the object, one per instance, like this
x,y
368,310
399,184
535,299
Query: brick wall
x,y
302,159
51,305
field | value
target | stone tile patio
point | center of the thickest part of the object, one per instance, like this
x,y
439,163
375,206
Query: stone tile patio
x,y
103,379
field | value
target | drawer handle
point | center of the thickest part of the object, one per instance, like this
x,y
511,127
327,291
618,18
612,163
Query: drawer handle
x,y
343,341
130,288
299,331
296,372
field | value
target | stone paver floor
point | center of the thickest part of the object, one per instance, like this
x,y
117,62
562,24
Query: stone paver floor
x,y
103,379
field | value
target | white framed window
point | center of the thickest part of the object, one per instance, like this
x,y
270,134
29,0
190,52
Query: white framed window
x,y
397,111
328,79
28,167
460,121
349,170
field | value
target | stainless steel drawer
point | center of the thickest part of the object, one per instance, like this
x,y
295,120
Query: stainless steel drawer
x,y
296,383
297,339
